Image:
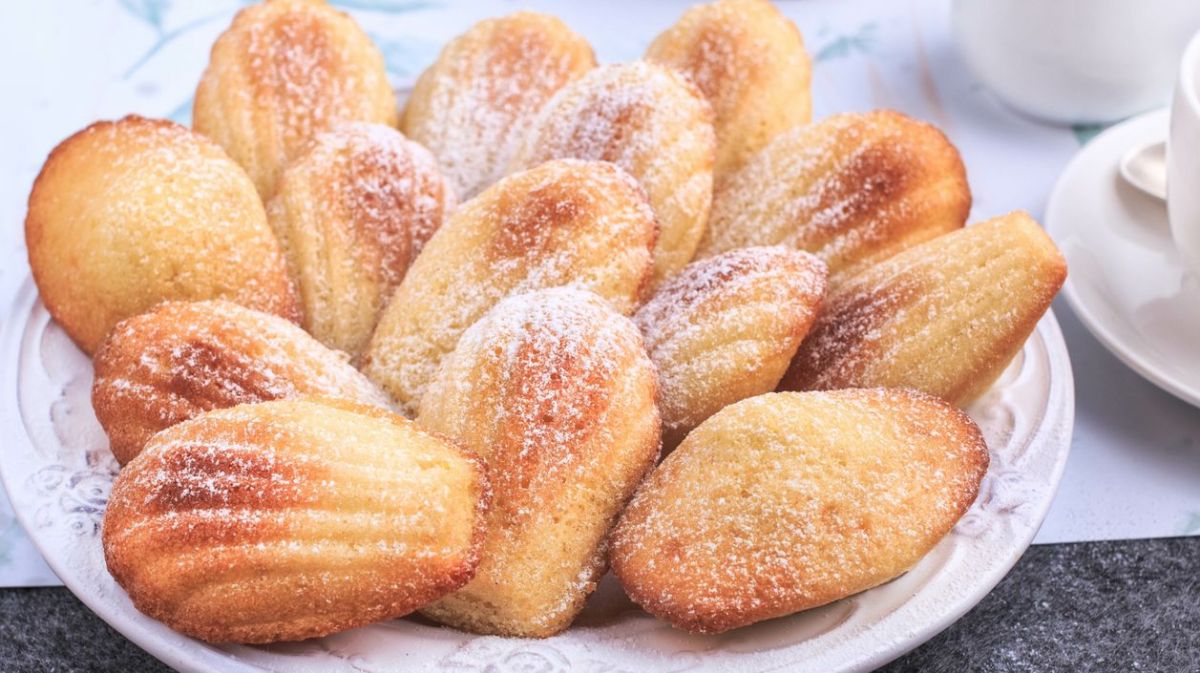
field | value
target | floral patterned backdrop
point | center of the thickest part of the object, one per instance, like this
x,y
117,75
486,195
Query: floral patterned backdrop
x,y
1136,454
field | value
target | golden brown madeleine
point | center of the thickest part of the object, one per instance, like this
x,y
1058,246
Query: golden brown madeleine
x,y
184,358
853,189
750,62
566,222
293,519
128,213
284,71
945,317
726,328
555,393
474,104
650,121
352,213
787,501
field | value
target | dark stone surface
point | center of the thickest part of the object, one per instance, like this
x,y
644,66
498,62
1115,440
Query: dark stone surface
x,y
1100,606
1103,606
50,631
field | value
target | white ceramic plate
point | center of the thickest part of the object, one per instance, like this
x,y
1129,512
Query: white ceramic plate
x,y
1127,283
58,470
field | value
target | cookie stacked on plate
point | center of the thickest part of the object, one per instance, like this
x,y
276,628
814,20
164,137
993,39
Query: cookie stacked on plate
x,y
358,363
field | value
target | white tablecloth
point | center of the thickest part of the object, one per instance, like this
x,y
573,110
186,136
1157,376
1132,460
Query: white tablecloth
x,y
1135,464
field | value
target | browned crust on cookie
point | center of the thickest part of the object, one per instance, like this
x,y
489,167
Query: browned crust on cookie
x,y
472,107
854,189
282,72
983,288
242,526
554,391
352,212
584,224
103,248
184,358
769,507
652,122
750,62
725,328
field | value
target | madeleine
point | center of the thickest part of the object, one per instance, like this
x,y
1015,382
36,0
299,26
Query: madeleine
x,y
853,189
749,61
653,123
284,71
567,222
352,213
182,359
130,213
293,519
788,501
555,393
726,328
475,104
981,289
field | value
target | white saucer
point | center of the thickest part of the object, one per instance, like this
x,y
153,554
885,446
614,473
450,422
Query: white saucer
x,y
1125,280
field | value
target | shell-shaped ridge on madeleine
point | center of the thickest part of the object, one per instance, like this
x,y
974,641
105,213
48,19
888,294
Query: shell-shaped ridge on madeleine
x,y
293,519
725,328
750,62
184,358
982,289
652,122
554,391
282,72
584,224
352,212
853,188
472,107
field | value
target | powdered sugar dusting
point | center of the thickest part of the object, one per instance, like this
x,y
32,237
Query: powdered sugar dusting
x,y
554,390
283,72
557,353
272,347
391,189
725,328
852,189
297,518
164,367
788,501
725,54
474,105
352,213
651,122
566,222
749,61
672,307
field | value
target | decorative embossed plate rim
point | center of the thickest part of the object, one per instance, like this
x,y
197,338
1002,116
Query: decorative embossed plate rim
x,y
58,470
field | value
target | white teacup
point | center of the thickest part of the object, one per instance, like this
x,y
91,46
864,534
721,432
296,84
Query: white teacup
x,y
1076,61
1183,158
